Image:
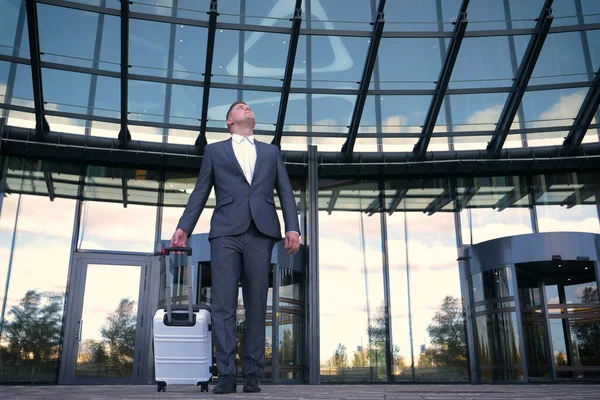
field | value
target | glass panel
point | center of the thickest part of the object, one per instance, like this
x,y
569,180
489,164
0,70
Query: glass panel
x,y
399,297
438,327
164,7
492,285
524,14
190,58
148,47
75,99
291,324
198,10
353,241
483,14
32,322
74,42
550,68
407,15
8,28
110,51
108,322
568,203
551,108
498,339
186,105
396,73
482,62
338,62
265,58
332,113
356,15
476,112
591,11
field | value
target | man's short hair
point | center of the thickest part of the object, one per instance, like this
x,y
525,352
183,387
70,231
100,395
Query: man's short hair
x,y
231,108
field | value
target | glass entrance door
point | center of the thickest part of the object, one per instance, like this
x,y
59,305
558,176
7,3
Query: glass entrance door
x,y
560,311
105,333
574,319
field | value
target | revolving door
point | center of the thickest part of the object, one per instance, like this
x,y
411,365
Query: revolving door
x,y
535,311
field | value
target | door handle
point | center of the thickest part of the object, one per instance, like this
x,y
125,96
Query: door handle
x,y
79,330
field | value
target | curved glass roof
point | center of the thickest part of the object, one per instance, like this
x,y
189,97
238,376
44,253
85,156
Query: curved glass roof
x,y
351,75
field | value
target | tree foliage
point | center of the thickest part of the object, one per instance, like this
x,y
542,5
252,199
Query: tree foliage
x,y
447,336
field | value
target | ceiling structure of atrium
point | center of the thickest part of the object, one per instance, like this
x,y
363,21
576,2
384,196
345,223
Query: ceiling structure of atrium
x,y
442,98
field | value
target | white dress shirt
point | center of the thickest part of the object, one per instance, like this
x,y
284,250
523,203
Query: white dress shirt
x,y
245,152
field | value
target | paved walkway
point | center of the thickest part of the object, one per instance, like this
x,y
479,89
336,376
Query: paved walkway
x,y
294,392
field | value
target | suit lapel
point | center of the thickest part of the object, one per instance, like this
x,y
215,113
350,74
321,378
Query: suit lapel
x,y
229,150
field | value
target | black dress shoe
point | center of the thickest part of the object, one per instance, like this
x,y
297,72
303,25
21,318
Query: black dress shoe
x,y
226,385
252,384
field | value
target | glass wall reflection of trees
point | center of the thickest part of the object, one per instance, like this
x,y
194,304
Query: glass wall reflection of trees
x,y
496,328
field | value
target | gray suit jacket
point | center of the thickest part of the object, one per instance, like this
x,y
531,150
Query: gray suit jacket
x,y
237,201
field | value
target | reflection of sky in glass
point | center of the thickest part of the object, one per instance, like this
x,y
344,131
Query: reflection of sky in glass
x,y
103,293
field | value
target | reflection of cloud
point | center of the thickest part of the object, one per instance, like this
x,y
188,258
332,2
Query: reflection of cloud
x,y
341,58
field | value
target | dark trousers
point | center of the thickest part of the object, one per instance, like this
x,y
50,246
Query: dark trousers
x,y
244,258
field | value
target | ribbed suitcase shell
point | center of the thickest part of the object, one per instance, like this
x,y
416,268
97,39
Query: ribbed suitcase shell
x,y
182,354
182,335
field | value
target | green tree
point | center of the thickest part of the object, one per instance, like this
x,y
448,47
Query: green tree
x,y
119,335
588,332
339,359
447,335
32,332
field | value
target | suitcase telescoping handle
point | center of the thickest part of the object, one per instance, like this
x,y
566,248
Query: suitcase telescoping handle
x,y
168,250
174,252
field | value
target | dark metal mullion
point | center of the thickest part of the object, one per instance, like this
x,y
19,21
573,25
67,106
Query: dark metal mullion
x,y
363,89
521,80
515,67
41,125
386,287
170,67
513,195
289,69
309,102
210,48
586,50
377,86
95,65
313,266
12,72
442,83
124,135
584,117
241,52
442,44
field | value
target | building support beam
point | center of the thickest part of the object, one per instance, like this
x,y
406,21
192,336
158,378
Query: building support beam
x,y
210,51
289,69
584,117
49,181
520,190
124,188
124,135
460,28
363,89
446,197
581,195
41,124
334,196
521,80
397,199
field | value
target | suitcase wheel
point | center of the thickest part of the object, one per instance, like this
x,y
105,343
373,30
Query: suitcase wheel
x,y
161,386
204,387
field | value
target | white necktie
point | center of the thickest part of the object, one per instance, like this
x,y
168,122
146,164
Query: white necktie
x,y
249,156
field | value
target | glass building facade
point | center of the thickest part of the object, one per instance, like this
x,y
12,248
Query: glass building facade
x,y
412,131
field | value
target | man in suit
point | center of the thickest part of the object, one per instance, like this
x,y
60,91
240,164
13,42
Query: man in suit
x,y
243,230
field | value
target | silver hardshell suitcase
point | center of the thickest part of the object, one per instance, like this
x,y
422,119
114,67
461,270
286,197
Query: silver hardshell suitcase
x,y
182,335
